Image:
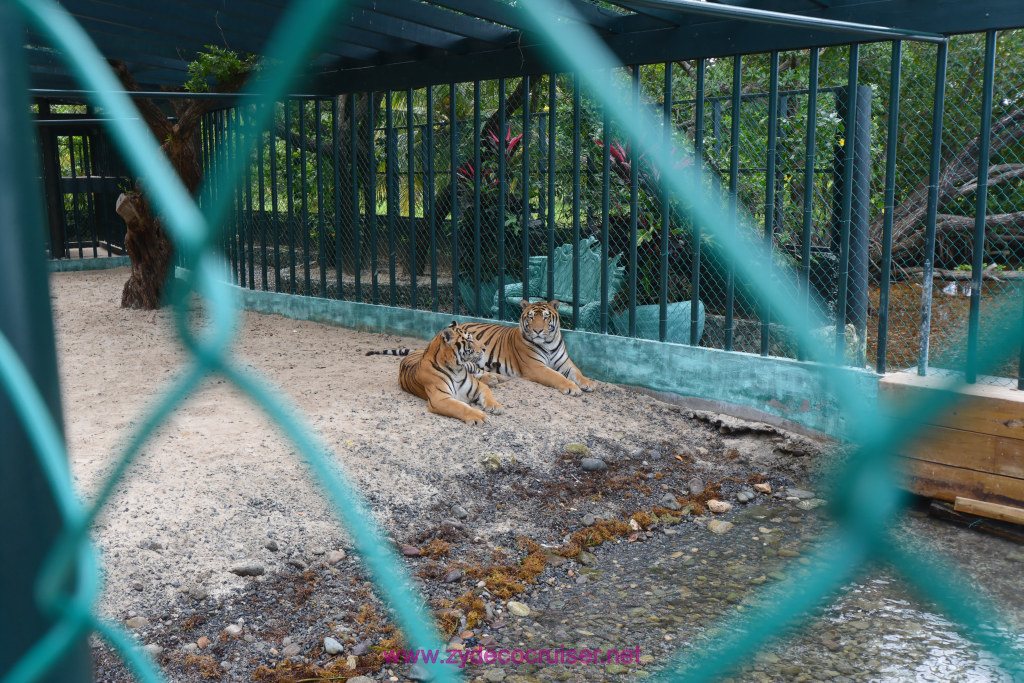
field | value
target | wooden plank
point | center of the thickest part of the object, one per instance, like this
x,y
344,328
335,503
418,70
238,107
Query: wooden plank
x,y
1005,513
969,450
986,409
934,480
946,512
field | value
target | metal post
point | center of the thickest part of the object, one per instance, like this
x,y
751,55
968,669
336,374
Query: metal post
x,y
431,208
336,194
26,322
769,191
808,223
734,164
477,175
606,162
892,143
502,189
980,213
526,188
932,210
577,151
274,213
371,199
357,213
411,153
320,225
850,134
454,158
260,160
698,148
634,190
390,182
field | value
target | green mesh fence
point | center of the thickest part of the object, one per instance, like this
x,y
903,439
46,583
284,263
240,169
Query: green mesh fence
x,y
863,511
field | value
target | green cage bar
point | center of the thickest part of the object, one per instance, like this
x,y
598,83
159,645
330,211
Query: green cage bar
x,y
810,145
892,144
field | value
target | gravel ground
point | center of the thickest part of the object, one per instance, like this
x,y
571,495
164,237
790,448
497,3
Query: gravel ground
x,y
222,556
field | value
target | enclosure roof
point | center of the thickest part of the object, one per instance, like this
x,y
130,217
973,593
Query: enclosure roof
x,y
396,44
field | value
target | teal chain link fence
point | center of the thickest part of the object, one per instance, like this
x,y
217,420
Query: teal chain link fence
x,y
66,588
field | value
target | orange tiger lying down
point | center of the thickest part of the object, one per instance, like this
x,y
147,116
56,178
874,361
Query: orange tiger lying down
x,y
534,350
446,375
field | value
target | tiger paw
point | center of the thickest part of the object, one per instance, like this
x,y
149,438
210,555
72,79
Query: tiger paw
x,y
474,417
495,408
572,391
587,384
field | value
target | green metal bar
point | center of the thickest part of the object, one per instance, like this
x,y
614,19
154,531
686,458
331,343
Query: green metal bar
x,y
26,330
431,207
273,201
769,189
980,211
549,214
74,195
577,152
304,227
924,335
390,184
90,209
241,215
371,198
477,175
892,144
810,149
526,188
734,165
849,146
606,179
357,214
861,31
453,125
250,217
321,236
290,194
261,180
666,216
411,153
503,138
699,160
336,190
634,200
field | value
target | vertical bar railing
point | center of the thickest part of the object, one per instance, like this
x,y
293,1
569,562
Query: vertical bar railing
x,y
932,209
336,190
551,155
734,200
262,189
289,196
274,210
577,151
453,126
320,224
250,216
666,140
503,139
390,187
357,214
850,133
74,195
634,192
88,168
810,145
606,178
431,207
411,194
303,174
892,144
477,207
698,152
978,246
769,190
371,198
526,189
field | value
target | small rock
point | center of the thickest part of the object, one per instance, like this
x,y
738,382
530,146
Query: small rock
x,y
1015,556
494,675
418,672
491,462
248,570
233,630
588,519
799,493
654,455
587,558
153,650
318,550
488,641
272,546
332,647
137,623
360,679
669,501
719,506
744,497
616,669
137,586
197,593
810,503
291,650
453,576
459,512
361,648
189,648
203,643
297,562
593,464
696,486
578,449
335,556
718,526
410,551
517,608
763,487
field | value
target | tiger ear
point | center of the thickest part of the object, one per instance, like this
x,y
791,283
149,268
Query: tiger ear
x,y
447,335
523,303
554,303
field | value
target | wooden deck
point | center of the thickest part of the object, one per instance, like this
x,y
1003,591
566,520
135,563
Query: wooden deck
x,y
971,455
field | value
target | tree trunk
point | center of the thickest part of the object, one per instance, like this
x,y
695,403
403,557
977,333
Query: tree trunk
x,y
149,249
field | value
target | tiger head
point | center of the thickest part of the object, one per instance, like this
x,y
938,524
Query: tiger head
x,y
466,351
539,322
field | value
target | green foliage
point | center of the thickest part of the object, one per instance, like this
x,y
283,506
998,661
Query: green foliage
x,y
218,65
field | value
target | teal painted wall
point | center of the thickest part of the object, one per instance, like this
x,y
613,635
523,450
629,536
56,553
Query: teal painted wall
x,y
70,264
781,387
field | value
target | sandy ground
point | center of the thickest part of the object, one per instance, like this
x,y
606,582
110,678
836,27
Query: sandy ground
x,y
216,482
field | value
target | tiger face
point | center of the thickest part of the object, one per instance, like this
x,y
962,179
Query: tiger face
x,y
466,350
539,322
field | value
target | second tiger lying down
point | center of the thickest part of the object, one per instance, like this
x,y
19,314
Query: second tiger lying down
x,y
445,375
